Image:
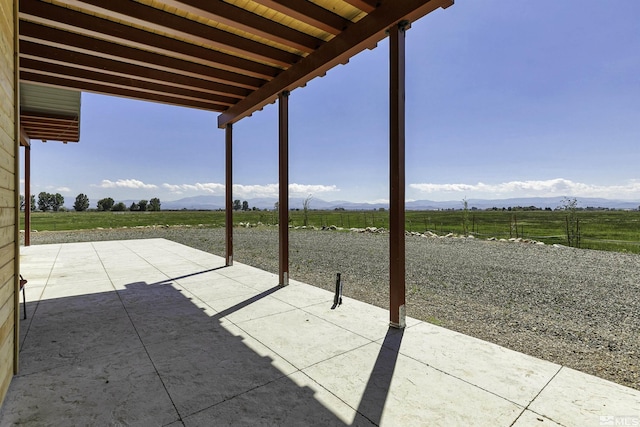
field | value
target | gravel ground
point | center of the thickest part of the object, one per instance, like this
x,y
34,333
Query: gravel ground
x,y
578,308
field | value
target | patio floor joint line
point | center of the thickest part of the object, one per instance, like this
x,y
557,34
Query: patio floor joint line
x,y
33,313
536,396
155,368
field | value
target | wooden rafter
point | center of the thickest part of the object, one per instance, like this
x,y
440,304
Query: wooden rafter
x,y
101,66
54,70
92,26
73,42
195,32
243,20
309,13
364,5
37,125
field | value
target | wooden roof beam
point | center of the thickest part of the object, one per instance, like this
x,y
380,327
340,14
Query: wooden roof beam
x,y
33,129
357,37
25,140
309,13
63,39
249,22
53,120
56,70
64,138
63,133
48,133
40,53
93,26
195,32
66,83
45,126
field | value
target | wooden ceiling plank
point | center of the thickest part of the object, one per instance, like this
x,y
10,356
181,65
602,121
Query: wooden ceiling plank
x,y
364,5
149,17
72,41
34,51
357,37
93,26
51,69
249,22
309,13
125,93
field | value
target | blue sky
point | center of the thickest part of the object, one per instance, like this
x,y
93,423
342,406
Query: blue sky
x,y
504,99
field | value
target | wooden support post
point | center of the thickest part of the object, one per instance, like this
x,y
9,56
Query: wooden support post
x,y
27,195
283,180
397,175
228,184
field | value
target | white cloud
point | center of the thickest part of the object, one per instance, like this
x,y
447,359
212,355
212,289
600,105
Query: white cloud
x,y
382,201
249,191
550,187
126,183
208,187
63,189
300,190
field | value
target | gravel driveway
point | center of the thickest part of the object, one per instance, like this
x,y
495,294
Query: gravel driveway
x,y
575,307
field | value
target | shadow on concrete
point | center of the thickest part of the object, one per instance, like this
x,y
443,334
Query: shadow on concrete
x,y
376,391
149,355
197,273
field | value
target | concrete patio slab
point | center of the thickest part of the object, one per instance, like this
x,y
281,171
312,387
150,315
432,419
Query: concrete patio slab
x,y
531,419
389,388
575,398
198,375
355,316
279,403
163,334
116,389
302,338
301,296
259,281
520,377
261,308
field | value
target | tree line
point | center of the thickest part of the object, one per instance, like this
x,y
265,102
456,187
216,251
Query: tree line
x,y
108,204
55,202
243,206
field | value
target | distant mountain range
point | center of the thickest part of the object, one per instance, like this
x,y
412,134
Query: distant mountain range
x,y
217,202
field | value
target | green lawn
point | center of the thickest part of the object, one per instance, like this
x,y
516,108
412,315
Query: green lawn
x,y
606,230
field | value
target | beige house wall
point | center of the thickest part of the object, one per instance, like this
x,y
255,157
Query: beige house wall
x,y
8,213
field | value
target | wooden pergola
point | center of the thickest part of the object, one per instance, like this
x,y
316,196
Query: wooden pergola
x,y
232,57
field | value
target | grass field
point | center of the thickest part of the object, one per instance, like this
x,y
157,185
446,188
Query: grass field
x,y
604,230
